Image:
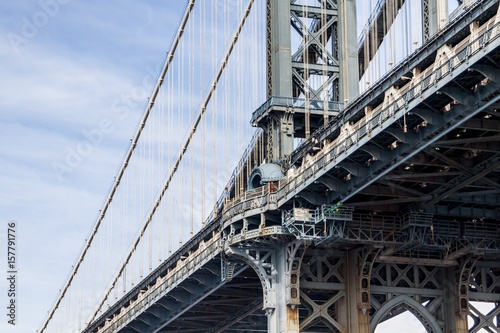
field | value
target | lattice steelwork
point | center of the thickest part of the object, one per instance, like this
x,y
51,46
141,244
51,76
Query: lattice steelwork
x,y
303,62
389,206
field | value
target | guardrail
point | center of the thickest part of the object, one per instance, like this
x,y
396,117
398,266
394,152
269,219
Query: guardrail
x,y
469,15
384,115
174,277
295,103
263,196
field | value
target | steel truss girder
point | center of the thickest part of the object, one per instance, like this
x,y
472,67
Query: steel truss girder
x,y
426,291
313,48
357,106
399,194
413,231
403,152
236,317
323,284
490,125
426,18
484,321
461,168
409,150
321,311
176,286
313,37
305,88
484,286
473,174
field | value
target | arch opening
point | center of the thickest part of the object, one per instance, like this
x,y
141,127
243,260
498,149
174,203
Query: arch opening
x,y
404,314
404,322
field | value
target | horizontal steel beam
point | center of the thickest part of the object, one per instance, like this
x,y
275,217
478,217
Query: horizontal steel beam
x,y
422,54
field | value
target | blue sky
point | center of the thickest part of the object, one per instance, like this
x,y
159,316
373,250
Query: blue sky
x,y
64,66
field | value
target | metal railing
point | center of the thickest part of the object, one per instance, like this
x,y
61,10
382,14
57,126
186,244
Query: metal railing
x,y
295,103
173,278
383,116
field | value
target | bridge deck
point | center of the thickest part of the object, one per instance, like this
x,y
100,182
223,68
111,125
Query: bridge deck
x,y
432,145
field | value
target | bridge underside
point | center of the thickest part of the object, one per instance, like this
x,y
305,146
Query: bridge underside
x,y
326,296
237,307
417,171
393,207
454,176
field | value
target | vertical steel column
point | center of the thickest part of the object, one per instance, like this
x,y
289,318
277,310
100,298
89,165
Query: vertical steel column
x,y
279,77
350,315
348,51
454,322
284,317
278,268
280,47
309,74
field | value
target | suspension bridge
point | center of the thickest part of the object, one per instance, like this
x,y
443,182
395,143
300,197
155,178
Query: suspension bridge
x,y
290,175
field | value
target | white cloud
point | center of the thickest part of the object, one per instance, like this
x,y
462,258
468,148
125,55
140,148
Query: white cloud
x,y
67,78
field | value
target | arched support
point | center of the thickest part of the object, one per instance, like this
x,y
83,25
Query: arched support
x,y
456,295
278,269
459,95
295,253
429,116
332,183
355,169
464,277
367,258
402,136
263,262
314,198
377,152
417,309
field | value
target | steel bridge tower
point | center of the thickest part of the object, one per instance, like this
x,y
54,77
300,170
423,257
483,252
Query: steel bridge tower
x,y
317,75
389,204
350,286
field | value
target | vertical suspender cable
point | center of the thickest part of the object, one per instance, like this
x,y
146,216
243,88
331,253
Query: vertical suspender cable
x,y
120,173
152,99
185,145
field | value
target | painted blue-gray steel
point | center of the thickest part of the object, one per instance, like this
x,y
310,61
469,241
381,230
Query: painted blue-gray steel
x,y
411,100
258,201
424,54
150,280
295,104
374,15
